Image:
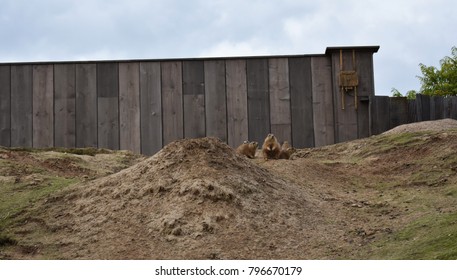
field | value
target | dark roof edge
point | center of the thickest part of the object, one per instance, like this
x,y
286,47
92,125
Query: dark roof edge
x,y
372,49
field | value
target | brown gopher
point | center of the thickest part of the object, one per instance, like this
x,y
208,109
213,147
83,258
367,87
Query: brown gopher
x,y
286,150
248,149
271,148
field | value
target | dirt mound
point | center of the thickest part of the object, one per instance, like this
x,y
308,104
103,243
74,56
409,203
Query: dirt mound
x,y
438,125
194,199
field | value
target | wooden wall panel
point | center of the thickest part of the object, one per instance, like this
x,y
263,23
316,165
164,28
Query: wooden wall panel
x,y
5,106
301,91
380,114
108,105
258,99
436,107
21,106
280,111
43,106
412,111
237,102
322,101
65,105
172,104
194,99
86,105
151,107
346,126
453,105
398,111
215,99
423,107
129,107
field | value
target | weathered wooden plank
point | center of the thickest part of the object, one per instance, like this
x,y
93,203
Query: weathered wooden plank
x,y
215,99
380,114
398,111
129,107
151,107
301,94
453,110
21,106
86,105
436,107
194,99
423,107
322,100
65,105
172,101
280,111
237,102
344,101
412,111
363,117
365,89
5,106
43,106
446,107
108,105
258,99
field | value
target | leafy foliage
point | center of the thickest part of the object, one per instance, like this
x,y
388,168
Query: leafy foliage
x,y
441,81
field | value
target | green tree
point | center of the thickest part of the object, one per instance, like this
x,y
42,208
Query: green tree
x,y
440,81
436,81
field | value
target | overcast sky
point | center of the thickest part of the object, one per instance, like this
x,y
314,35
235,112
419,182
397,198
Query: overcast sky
x,y
408,32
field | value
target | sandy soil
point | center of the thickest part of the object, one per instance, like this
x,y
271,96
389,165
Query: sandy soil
x,y
198,199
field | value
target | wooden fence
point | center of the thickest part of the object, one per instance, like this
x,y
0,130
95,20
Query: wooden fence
x,y
389,112
142,105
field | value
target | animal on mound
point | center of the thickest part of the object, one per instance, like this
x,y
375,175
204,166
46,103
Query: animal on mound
x,y
248,149
286,150
271,149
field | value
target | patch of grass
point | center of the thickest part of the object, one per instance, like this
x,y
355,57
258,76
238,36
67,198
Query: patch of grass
x,y
430,237
15,198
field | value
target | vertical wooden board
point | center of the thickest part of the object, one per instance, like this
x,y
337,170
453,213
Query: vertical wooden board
x,y
380,114
237,102
65,105
363,118
346,126
194,99
301,95
108,105
423,107
151,107
453,106
437,106
21,106
446,107
398,111
172,103
129,107
258,99
5,106
322,100
86,105
365,74
215,99
43,106
279,89
412,111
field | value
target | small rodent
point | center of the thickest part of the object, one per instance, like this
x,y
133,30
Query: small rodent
x,y
247,148
286,150
271,148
